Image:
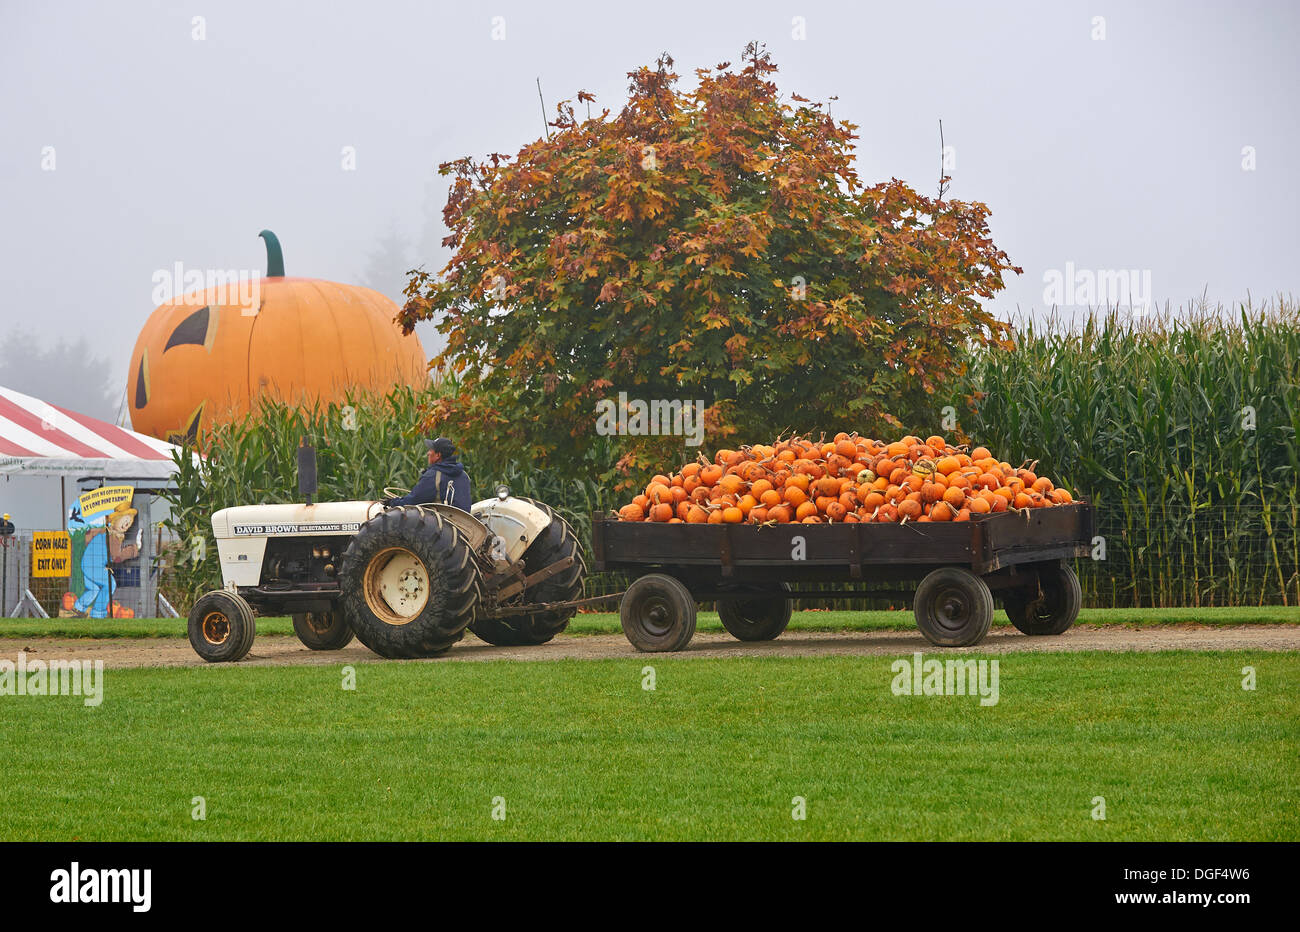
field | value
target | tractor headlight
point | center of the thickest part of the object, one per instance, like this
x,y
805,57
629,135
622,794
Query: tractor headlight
x,y
503,492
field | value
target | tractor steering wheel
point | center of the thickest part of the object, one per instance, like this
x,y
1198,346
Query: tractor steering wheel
x,y
395,492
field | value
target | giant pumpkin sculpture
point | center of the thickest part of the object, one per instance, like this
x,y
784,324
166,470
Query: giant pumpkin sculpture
x,y
203,358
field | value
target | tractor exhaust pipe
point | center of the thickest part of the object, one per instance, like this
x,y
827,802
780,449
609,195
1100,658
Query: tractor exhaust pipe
x,y
306,470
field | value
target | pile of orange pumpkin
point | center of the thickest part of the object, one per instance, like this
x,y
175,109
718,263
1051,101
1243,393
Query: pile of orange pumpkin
x,y
847,479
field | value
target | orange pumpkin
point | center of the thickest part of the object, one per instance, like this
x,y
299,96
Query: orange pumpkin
x,y
849,479
199,361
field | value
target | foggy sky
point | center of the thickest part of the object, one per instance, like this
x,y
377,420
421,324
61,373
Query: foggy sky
x,y
1121,153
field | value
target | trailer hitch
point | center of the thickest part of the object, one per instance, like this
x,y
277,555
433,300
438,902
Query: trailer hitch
x,y
534,608
545,573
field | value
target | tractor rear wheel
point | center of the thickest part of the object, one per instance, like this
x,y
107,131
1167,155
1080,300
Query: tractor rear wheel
x,y
323,630
410,583
555,543
221,627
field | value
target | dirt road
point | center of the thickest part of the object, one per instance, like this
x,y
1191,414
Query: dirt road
x,y
282,651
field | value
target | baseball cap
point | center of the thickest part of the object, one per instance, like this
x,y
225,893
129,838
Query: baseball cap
x,y
441,446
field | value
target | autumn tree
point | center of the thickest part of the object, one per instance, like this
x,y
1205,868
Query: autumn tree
x,y
714,243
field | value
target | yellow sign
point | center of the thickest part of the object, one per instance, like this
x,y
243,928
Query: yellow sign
x,y
51,553
98,501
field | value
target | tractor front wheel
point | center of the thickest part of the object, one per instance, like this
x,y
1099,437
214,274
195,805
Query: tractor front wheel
x,y
221,627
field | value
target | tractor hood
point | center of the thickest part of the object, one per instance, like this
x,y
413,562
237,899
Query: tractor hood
x,y
326,518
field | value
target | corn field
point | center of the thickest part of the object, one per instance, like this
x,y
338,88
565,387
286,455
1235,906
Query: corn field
x,y
1182,432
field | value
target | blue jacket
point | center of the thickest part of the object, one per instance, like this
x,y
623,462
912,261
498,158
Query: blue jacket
x,y
445,482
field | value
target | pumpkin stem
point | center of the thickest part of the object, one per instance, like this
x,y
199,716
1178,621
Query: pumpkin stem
x,y
274,255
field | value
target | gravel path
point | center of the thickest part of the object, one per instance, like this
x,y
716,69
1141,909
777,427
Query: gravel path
x,y
283,651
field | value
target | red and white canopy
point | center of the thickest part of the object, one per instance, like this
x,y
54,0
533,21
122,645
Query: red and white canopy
x,y
39,439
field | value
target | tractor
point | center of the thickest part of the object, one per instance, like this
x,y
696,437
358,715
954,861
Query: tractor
x,y
405,581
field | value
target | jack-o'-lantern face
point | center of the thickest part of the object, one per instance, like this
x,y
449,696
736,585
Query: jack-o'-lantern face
x,y
165,378
199,361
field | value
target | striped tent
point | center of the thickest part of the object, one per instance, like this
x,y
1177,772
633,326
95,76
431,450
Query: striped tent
x,y
39,439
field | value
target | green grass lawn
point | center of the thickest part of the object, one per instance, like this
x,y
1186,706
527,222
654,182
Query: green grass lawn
x,y
607,622
579,750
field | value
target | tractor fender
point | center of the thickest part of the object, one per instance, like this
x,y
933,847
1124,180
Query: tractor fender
x,y
514,520
474,530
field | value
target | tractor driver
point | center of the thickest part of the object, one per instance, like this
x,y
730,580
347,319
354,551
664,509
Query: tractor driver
x,y
444,482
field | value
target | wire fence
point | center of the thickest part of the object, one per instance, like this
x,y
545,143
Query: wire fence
x,y
138,588
1212,556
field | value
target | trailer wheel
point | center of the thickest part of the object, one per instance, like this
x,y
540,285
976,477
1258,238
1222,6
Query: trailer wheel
x,y
221,627
760,617
1056,611
953,607
658,614
323,630
410,583
555,543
